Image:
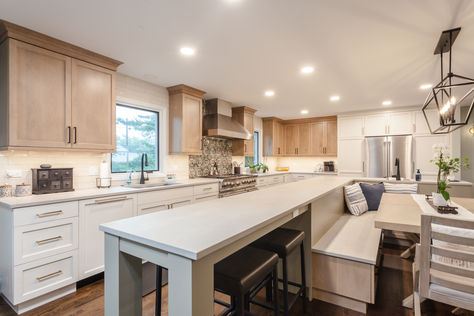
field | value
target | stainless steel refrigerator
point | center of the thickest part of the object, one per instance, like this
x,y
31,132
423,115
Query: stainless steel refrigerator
x,y
382,153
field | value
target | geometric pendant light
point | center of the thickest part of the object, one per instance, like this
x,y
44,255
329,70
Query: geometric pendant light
x,y
442,107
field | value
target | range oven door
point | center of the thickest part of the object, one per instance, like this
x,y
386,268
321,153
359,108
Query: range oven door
x,y
235,192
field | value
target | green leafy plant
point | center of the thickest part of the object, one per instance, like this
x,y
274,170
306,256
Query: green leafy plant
x,y
446,167
263,167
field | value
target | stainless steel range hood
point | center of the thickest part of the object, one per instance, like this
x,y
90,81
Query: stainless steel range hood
x,y
218,121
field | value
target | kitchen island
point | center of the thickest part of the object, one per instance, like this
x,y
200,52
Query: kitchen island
x,y
188,241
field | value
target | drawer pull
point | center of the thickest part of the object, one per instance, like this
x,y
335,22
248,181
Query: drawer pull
x,y
48,240
49,276
207,189
154,206
102,201
47,214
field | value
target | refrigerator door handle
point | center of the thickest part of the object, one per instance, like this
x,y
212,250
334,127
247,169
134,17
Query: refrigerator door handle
x,y
389,159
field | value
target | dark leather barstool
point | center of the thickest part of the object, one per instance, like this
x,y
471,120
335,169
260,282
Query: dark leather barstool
x,y
238,275
284,241
241,273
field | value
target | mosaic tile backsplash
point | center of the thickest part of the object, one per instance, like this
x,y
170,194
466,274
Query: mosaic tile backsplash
x,y
213,150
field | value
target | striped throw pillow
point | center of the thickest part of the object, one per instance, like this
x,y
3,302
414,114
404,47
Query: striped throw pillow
x,y
355,199
402,188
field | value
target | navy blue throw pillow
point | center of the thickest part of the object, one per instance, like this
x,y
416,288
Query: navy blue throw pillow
x,y
373,194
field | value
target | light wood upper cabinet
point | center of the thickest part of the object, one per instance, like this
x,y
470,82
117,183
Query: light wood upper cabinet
x,y
39,105
273,137
291,132
306,137
93,113
317,138
185,120
51,98
304,140
244,115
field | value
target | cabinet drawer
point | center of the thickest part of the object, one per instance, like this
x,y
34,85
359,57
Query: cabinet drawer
x,y
44,213
276,179
164,195
205,197
152,207
42,240
43,276
206,189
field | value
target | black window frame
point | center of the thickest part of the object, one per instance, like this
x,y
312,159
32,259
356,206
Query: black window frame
x,y
157,139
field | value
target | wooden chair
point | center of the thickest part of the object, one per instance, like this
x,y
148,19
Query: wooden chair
x,y
444,263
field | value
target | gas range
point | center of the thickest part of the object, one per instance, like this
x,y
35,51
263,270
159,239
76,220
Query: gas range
x,y
233,184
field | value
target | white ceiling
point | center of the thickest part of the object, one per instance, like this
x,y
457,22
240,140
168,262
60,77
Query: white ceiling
x,y
366,51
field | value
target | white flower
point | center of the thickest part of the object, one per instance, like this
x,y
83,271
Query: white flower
x,y
439,149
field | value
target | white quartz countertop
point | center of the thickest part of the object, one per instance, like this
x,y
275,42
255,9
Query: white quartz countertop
x,y
392,180
196,230
41,199
274,173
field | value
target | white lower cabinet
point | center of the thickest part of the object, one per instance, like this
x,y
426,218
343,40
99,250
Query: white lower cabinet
x,y
43,276
92,213
268,181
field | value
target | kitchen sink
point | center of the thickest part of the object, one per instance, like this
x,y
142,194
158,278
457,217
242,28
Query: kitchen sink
x,y
148,185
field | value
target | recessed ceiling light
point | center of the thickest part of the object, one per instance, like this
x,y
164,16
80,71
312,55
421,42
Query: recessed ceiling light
x,y
426,86
269,93
307,69
304,111
334,98
187,51
386,102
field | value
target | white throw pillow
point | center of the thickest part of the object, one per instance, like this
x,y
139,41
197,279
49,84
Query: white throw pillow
x,y
401,188
355,199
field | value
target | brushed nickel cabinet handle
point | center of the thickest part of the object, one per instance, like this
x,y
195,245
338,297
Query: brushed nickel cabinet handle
x,y
48,240
49,276
103,201
207,189
47,214
75,135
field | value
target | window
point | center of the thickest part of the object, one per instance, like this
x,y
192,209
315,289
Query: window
x,y
255,159
137,133
256,146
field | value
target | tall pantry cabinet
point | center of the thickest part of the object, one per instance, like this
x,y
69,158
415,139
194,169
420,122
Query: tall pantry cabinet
x,y
54,95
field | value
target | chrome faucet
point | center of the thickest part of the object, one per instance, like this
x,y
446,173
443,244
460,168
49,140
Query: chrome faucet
x,y
142,177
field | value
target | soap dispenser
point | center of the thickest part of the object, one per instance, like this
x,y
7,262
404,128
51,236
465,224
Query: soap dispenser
x,y
418,175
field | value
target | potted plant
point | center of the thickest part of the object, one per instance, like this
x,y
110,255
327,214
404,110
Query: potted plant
x,y
446,166
253,168
263,167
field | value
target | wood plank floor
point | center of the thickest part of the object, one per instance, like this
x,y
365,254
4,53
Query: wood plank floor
x,y
394,285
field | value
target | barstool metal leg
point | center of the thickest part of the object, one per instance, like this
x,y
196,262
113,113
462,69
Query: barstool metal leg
x,y
276,305
268,291
303,275
158,292
285,286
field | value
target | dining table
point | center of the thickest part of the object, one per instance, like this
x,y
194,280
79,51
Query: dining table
x,y
402,213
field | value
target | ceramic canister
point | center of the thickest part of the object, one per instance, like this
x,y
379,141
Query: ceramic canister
x,y
23,189
5,190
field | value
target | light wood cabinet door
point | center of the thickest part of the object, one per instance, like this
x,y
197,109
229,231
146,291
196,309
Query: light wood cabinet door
x,y
331,138
192,124
93,106
317,138
304,140
40,97
291,139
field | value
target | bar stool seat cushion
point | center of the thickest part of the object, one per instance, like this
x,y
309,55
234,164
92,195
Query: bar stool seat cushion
x,y
281,240
240,272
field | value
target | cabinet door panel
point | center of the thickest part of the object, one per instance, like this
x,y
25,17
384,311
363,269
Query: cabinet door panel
x,y
376,125
304,139
93,106
317,138
92,213
192,124
401,123
40,100
351,158
351,126
424,153
331,138
291,139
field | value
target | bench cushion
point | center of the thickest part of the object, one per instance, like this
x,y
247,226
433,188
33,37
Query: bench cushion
x,y
353,238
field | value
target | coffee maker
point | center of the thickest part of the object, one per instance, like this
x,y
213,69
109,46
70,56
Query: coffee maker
x,y
329,166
